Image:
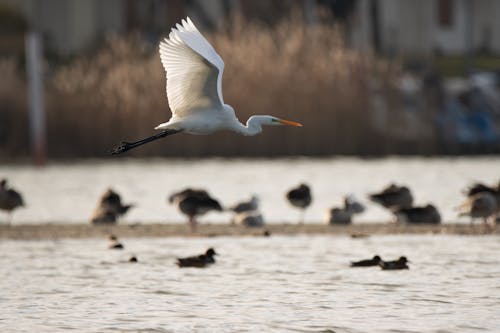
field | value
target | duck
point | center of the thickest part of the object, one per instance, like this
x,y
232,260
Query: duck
x,y
344,215
114,243
252,219
300,197
480,205
367,262
353,205
199,261
401,263
480,188
193,203
10,199
109,208
338,215
393,197
246,206
418,215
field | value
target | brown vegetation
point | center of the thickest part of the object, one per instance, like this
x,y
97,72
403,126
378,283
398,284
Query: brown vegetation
x,y
290,70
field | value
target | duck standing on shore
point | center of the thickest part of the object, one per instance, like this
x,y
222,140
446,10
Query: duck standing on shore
x,y
482,188
344,215
193,203
246,206
393,197
10,199
109,208
199,261
301,198
481,205
418,215
247,213
251,219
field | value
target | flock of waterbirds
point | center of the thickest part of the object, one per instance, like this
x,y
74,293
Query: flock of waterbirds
x,y
482,201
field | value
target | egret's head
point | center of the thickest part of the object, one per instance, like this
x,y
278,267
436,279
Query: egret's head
x,y
273,121
255,123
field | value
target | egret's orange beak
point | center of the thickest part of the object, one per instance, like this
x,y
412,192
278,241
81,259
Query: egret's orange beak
x,y
289,122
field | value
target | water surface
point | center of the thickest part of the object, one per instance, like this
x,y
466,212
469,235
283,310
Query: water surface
x,y
276,284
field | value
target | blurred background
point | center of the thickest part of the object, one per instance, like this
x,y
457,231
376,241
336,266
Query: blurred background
x,y
365,77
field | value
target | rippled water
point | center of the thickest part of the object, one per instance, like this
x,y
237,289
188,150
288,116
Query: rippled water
x,y
276,284
67,193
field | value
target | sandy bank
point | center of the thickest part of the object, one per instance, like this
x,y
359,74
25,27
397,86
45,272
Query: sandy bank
x,y
50,231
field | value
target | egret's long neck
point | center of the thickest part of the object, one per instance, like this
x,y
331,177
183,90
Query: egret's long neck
x,y
253,126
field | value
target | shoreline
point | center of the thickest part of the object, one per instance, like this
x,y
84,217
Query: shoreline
x,y
56,231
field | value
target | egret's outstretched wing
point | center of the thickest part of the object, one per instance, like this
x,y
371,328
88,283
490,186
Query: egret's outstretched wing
x,y
194,70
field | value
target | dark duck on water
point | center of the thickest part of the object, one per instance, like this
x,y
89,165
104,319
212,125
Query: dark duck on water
x,y
199,261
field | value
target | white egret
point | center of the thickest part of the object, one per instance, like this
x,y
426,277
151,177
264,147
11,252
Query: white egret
x,y
194,90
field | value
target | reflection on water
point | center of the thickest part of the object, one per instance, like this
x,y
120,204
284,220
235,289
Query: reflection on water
x,y
276,284
67,193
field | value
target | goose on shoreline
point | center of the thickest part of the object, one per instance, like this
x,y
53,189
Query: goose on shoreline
x,y
10,199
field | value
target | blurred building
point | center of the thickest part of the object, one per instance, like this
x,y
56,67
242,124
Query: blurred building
x,y
70,26
388,26
427,26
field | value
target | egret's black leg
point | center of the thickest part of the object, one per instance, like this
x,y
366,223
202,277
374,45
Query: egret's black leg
x,y
124,146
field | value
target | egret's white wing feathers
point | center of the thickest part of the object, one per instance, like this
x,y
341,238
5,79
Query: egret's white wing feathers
x,y
194,70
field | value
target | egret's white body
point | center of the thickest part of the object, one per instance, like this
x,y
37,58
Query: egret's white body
x,y
194,89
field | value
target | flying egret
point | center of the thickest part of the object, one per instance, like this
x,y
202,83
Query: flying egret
x,y
194,90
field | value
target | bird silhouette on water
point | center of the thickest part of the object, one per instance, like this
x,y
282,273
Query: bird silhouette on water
x,y
193,203
301,198
199,261
375,261
10,199
114,243
401,263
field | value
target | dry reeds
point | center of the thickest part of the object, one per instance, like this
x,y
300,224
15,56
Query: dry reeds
x,y
290,70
